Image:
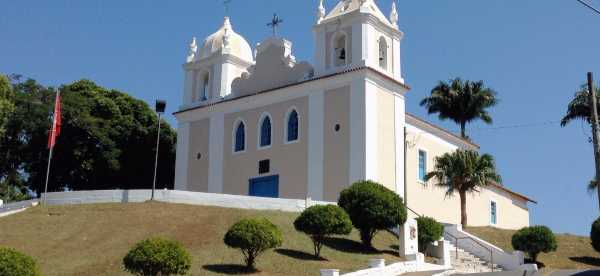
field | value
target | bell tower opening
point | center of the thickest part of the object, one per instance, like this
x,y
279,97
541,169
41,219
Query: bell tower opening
x,y
340,47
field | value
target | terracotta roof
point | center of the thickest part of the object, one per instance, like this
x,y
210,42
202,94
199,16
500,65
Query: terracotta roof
x,y
503,188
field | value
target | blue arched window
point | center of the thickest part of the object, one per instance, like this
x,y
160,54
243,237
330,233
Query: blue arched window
x,y
265,132
240,137
292,126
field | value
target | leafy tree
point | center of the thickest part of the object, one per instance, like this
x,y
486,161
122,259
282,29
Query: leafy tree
x,y
14,263
253,237
579,107
372,207
7,105
462,172
429,231
107,140
534,240
157,257
321,221
595,235
461,101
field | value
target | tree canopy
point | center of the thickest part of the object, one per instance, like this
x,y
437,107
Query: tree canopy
x,y
461,101
107,141
579,107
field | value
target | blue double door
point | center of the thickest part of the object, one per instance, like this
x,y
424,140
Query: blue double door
x,y
267,186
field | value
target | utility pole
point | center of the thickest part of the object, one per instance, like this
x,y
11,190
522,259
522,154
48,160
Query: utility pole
x,y
595,134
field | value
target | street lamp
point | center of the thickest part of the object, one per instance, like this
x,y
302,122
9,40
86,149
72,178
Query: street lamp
x,y
160,109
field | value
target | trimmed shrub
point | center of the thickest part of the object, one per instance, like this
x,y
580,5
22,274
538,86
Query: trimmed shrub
x,y
322,221
372,207
429,231
157,256
534,240
253,237
595,235
14,263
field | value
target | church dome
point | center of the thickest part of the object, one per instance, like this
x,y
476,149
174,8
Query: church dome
x,y
227,39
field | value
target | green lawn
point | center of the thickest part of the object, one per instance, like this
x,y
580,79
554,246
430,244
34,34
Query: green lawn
x,y
92,239
574,252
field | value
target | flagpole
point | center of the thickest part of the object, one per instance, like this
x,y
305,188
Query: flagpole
x,y
50,151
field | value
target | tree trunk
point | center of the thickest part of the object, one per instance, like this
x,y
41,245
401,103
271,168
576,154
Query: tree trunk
x,y
463,130
463,208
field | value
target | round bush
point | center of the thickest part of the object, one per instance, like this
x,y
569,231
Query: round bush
x,y
534,240
322,221
157,256
371,208
14,263
429,231
253,237
595,235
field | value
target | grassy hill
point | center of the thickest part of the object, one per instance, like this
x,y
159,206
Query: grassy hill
x,y
574,252
92,239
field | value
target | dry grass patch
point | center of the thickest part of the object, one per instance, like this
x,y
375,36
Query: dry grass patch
x,y
93,239
574,252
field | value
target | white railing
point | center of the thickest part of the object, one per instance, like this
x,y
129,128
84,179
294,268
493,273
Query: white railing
x,y
483,249
183,197
377,267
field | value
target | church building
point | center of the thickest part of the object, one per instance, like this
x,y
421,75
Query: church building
x,y
259,122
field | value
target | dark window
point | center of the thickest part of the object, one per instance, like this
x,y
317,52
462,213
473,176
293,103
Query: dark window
x,y
240,138
337,127
292,127
264,166
265,132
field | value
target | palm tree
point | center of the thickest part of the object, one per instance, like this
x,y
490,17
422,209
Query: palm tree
x,y
461,101
579,107
462,172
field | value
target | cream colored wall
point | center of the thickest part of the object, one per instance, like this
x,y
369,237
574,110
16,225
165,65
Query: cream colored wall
x,y
336,145
289,161
430,200
386,140
198,168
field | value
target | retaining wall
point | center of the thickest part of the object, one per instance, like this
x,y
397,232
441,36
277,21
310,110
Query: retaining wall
x,y
183,197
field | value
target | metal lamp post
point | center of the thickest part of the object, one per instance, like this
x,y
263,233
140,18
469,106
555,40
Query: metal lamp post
x,y
160,109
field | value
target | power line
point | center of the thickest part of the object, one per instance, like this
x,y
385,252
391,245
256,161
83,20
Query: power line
x,y
589,6
527,125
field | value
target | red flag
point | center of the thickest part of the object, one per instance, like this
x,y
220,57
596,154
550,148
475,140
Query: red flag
x,y
56,123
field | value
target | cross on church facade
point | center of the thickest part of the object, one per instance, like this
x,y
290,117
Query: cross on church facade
x,y
275,22
226,4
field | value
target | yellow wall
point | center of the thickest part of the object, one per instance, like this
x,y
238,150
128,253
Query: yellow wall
x,y
336,145
386,140
289,161
198,168
430,200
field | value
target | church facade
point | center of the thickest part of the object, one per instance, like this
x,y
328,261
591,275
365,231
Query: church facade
x,y
261,123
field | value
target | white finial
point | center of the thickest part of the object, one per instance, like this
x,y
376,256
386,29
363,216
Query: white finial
x,y
320,12
227,27
394,15
193,50
227,23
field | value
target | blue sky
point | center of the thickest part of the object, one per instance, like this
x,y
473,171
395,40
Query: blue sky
x,y
535,53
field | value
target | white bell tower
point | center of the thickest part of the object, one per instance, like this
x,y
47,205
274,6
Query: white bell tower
x,y
210,71
357,34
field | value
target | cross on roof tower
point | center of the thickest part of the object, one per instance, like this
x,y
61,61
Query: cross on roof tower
x,y
275,23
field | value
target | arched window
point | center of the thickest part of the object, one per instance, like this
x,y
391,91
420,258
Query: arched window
x,y
292,126
340,51
265,131
205,87
383,57
240,137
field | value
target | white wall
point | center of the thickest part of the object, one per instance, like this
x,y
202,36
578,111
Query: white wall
x,y
183,197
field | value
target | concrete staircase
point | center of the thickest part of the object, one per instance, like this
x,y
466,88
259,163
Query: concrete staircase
x,y
466,262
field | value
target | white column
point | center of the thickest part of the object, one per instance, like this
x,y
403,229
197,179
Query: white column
x,y
316,105
399,123
216,142
371,132
397,60
182,156
320,48
357,131
188,87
